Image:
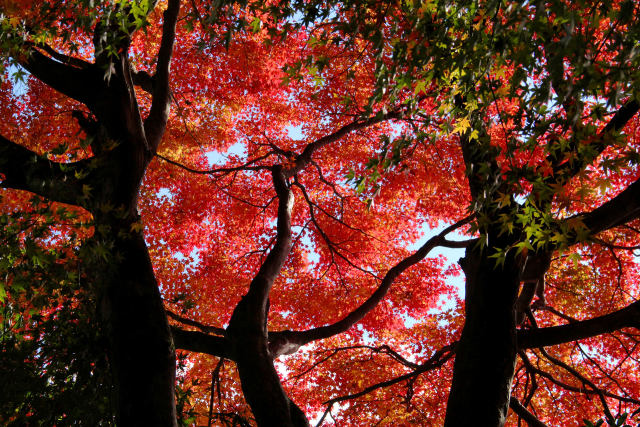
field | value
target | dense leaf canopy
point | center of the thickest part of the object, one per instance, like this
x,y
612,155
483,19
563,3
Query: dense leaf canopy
x,y
306,176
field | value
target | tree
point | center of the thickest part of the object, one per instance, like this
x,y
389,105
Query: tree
x,y
236,182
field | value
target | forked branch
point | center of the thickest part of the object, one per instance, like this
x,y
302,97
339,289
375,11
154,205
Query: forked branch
x,y
252,310
304,158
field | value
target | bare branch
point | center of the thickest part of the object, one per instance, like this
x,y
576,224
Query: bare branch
x,y
329,184
604,372
575,389
599,392
329,214
558,313
383,349
302,160
438,359
530,376
331,245
614,246
245,167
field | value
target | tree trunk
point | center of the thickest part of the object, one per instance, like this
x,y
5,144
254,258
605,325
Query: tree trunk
x,y
258,377
486,353
141,351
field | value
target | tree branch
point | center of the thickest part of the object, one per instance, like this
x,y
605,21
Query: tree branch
x,y
245,167
584,390
628,317
61,57
333,248
457,244
304,158
156,122
439,358
247,331
621,118
204,328
522,412
564,171
76,83
287,342
144,80
25,170
621,209
599,392
251,312
133,120
272,265
200,342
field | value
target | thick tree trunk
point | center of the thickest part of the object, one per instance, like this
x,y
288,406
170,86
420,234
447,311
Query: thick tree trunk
x,y
486,353
141,350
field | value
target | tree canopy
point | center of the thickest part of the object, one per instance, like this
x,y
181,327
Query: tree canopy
x,y
235,212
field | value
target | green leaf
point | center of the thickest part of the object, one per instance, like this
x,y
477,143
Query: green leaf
x,y
256,25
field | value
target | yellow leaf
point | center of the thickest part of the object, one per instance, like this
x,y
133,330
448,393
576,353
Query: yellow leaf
x,y
462,126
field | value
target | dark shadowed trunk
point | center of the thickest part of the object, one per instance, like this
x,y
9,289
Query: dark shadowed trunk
x,y
141,350
486,353
259,379
141,347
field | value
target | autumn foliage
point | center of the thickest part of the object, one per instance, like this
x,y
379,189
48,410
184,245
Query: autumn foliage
x,y
282,210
